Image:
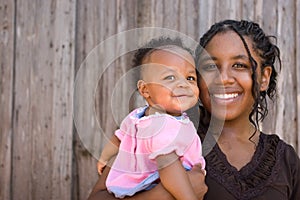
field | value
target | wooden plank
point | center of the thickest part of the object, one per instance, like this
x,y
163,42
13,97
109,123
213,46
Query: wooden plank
x,y
62,110
259,10
157,7
298,71
126,10
94,17
100,19
269,23
42,148
286,112
248,11
230,9
145,17
90,17
7,12
188,18
206,16
170,14
22,145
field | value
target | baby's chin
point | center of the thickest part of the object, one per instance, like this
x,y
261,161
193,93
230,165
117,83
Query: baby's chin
x,y
175,112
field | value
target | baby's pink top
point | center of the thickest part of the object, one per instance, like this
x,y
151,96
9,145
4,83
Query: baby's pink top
x,y
145,138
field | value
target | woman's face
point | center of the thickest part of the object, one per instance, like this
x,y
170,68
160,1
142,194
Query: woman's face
x,y
226,83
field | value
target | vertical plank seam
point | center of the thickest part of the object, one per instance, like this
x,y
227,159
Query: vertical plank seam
x,y
13,91
297,62
178,19
276,127
74,163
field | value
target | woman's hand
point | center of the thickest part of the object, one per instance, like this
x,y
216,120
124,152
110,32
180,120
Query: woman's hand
x,y
197,179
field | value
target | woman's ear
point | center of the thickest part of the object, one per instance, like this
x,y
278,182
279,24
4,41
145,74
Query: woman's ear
x,y
265,79
143,89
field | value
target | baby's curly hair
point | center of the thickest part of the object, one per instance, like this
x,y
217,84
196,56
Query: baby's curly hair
x,y
154,45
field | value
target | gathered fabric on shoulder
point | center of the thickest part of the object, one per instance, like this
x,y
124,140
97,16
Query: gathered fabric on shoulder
x,y
273,173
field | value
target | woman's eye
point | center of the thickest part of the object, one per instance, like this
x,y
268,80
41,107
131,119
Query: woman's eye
x,y
240,66
209,67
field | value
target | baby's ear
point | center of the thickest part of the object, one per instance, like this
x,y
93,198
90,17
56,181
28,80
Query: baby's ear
x,y
265,79
143,89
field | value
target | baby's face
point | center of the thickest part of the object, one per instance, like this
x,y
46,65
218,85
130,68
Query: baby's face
x,y
171,80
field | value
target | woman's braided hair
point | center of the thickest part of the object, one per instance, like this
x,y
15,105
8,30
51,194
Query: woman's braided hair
x,y
263,46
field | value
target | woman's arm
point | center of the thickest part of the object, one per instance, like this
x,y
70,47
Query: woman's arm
x,y
196,177
99,191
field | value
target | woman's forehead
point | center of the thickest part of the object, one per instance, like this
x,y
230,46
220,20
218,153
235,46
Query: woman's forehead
x,y
229,43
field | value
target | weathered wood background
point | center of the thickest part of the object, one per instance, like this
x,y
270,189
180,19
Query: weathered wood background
x,y
43,45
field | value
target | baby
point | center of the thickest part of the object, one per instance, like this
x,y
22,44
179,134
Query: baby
x,y
158,142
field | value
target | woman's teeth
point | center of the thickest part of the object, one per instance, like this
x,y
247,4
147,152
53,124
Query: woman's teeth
x,y
226,96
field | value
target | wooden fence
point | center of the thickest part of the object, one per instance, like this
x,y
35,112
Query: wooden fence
x,y
44,46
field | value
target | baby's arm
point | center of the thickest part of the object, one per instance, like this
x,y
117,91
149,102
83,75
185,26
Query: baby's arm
x,y
109,150
174,177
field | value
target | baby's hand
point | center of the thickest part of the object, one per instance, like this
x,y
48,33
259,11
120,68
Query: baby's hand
x,y
100,166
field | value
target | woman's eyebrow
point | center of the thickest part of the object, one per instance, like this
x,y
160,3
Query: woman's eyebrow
x,y
240,57
206,58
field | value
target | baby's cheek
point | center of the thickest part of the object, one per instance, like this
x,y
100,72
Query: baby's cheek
x,y
197,92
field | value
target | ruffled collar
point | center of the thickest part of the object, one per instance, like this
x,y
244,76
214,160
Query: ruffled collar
x,y
139,115
254,177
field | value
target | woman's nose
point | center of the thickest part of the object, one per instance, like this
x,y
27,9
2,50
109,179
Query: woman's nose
x,y
224,76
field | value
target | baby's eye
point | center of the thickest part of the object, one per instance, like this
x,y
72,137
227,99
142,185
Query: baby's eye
x,y
170,77
191,78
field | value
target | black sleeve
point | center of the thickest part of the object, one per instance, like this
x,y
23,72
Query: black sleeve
x,y
294,164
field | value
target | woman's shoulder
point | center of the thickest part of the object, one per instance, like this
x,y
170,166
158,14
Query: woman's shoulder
x,y
283,151
275,140
287,166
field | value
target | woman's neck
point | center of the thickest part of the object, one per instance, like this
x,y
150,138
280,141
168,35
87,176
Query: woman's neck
x,y
241,130
238,141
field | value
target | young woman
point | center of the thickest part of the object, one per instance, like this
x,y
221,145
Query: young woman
x,y
238,73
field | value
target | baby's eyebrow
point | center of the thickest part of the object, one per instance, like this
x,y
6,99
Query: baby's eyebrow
x,y
167,69
192,71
